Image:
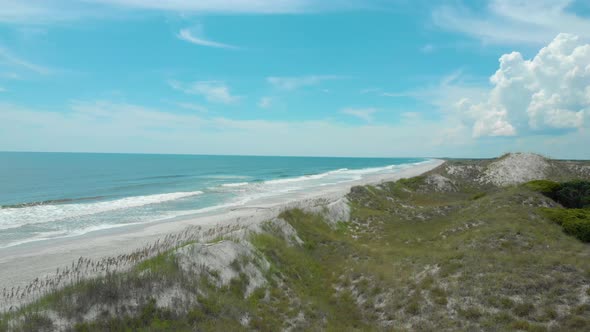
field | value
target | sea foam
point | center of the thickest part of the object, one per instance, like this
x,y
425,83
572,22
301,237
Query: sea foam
x,y
61,218
16,217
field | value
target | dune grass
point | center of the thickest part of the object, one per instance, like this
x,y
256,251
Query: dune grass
x,y
409,259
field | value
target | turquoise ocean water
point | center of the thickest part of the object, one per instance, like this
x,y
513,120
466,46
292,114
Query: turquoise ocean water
x,y
44,196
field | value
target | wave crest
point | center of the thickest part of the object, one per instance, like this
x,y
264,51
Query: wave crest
x,y
37,214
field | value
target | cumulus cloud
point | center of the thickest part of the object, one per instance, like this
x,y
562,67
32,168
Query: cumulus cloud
x,y
549,92
492,122
213,91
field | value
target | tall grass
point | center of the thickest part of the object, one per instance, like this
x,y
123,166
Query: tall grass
x,y
479,258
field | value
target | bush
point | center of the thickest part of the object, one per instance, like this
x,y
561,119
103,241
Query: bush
x,y
578,228
412,183
575,194
545,187
575,222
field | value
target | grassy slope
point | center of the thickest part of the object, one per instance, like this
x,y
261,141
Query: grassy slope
x,y
479,258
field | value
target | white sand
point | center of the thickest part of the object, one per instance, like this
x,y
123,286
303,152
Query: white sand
x,y
20,265
515,168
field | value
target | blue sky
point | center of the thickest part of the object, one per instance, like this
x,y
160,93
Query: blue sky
x,y
296,77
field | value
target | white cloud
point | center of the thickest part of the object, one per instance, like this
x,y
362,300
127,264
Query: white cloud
x,y
365,114
293,83
103,126
411,115
249,6
213,91
13,64
491,122
265,102
445,93
195,36
513,21
193,107
13,11
12,60
217,6
40,12
548,92
32,12
395,94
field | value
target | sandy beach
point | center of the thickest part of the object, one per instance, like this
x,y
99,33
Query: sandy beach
x,y
19,265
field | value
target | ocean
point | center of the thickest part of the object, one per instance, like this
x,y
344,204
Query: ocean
x,y
45,196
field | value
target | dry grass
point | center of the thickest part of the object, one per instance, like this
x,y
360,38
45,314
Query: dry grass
x,y
479,258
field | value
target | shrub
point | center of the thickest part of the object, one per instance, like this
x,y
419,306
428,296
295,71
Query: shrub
x,y
578,228
575,222
575,194
545,187
412,183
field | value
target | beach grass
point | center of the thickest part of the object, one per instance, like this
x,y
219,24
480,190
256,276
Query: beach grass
x,y
410,258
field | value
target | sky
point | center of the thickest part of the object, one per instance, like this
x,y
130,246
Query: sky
x,y
371,78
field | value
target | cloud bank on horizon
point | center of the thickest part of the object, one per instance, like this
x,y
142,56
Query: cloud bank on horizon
x,y
296,77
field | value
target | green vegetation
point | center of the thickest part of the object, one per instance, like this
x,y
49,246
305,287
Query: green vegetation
x,y
572,194
545,187
478,196
575,197
410,258
412,183
575,222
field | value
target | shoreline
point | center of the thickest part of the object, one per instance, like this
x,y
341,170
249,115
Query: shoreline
x,y
20,265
